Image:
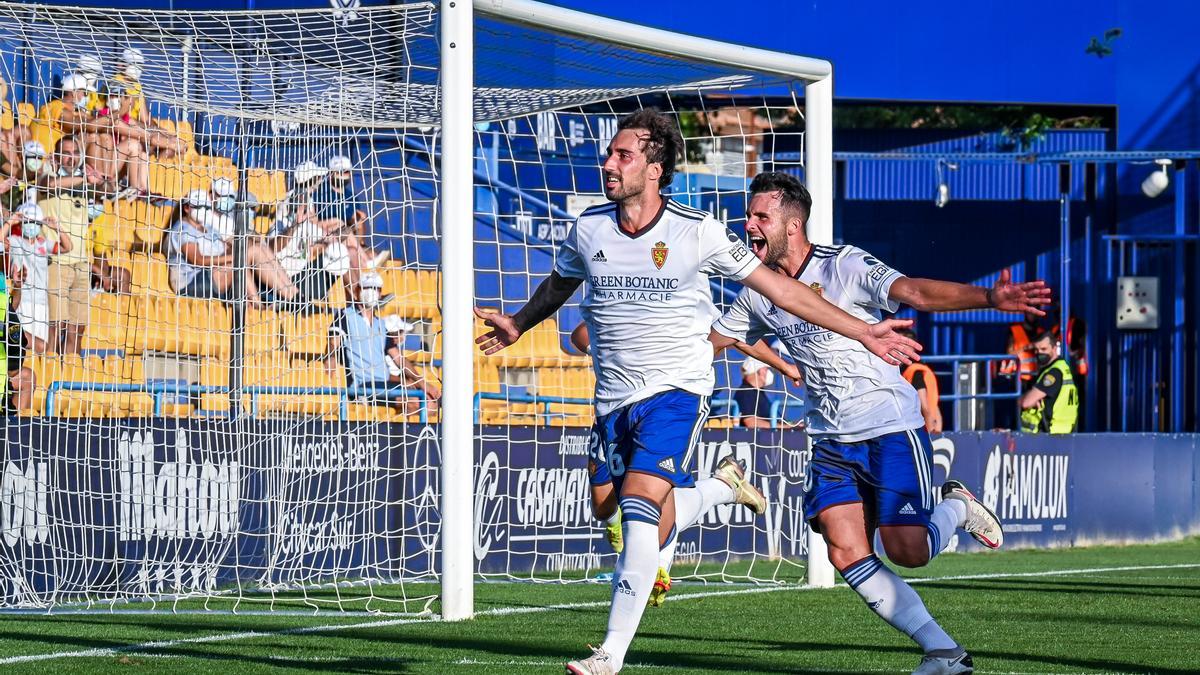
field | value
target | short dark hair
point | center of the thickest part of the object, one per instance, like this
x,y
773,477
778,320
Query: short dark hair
x,y
1046,335
665,144
793,196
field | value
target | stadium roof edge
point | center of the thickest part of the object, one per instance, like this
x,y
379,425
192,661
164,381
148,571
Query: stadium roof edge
x,y
654,40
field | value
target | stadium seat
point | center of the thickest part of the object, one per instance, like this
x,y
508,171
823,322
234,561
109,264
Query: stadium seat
x,y
267,186
167,181
307,334
150,275
108,319
264,332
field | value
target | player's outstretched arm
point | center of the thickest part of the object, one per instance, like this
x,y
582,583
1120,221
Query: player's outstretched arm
x,y
759,350
506,330
931,295
793,297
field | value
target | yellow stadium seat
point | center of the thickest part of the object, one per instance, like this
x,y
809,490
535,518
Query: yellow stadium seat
x,y
205,328
264,332
167,180
108,320
150,275
267,186
307,334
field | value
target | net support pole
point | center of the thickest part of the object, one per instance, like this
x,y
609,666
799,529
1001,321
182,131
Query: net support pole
x,y
818,177
458,293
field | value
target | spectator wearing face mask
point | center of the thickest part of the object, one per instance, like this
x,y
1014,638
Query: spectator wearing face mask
x,y
401,371
119,154
92,70
29,249
201,261
314,251
64,116
359,343
334,201
133,112
23,173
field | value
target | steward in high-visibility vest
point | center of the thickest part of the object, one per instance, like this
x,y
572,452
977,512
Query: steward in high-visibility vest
x,y
922,378
1052,404
1020,344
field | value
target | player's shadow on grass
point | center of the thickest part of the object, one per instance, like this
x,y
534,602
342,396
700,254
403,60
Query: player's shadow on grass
x,y
841,648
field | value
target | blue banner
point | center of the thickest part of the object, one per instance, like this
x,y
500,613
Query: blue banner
x,y
139,508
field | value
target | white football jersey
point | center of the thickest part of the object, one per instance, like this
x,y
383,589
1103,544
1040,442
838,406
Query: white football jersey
x,y
853,394
647,299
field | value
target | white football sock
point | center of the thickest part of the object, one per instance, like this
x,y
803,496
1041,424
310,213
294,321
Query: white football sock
x,y
633,578
666,552
897,603
692,503
945,519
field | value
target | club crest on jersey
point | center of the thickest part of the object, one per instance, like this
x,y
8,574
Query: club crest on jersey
x,y
659,254
816,286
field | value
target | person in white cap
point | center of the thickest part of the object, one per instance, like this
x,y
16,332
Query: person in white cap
x,y
314,252
28,248
23,171
401,369
224,200
202,263
120,151
753,403
92,69
334,201
129,77
359,342
67,115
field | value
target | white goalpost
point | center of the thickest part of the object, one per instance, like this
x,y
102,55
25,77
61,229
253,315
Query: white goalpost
x,y
817,76
238,427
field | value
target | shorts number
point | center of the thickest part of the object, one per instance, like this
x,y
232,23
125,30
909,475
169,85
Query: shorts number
x,y
616,465
807,456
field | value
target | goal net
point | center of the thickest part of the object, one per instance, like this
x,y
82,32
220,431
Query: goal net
x,y
225,239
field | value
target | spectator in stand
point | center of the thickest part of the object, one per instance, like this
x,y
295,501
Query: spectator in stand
x,y
334,201
12,134
92,70
402,370
923,379
136,116
64,116
202,263
359,342
119,153
30,250
752,399
68,186
24,171
314,251
18,389
224,201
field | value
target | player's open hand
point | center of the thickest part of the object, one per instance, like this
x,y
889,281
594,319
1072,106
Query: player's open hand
x,y
1026,297
504,331
883,341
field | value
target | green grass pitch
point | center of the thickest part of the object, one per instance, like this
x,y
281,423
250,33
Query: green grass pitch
x,y
1132,609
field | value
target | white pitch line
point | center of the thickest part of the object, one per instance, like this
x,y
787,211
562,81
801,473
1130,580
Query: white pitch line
x,y
510,611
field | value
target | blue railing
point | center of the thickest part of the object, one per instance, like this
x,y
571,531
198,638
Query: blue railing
x,y
544,401
158,392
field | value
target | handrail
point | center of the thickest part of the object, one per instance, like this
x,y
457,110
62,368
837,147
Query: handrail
x,y
546,401
159,390
779,409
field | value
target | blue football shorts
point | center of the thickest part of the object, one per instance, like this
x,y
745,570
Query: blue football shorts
x,y
657,435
